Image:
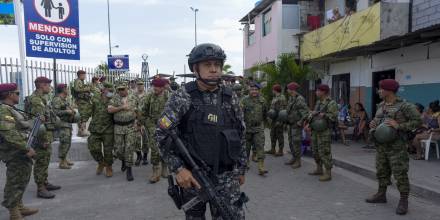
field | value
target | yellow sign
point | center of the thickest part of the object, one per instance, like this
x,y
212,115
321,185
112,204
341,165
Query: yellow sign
x,y
212,118
359,29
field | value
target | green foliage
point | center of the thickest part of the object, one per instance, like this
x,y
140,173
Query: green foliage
x,y
284,71
226,68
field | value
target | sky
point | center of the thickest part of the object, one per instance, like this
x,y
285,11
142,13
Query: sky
x,y
163,29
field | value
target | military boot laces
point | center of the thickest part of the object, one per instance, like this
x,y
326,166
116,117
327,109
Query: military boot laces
x,y
51,187
297,164
129,174
26,211
14,214
402,208
138,159
317,171
43,193
155,177
379,197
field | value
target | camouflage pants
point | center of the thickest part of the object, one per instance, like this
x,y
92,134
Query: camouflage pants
x,y
321,147
393,159
42,160
229,187
18,175
101,147
84,109
155,156
141,142
65,135
295,138
125,144
255,141
277,134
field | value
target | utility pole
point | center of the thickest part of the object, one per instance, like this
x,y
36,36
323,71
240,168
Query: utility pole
x,y
195,10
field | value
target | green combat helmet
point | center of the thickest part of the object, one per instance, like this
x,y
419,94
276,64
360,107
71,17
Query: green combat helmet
x,y
282,116
385,134
319,124
272,114
237,87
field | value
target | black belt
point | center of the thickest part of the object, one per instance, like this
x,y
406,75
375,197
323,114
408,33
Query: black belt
x,y
124,123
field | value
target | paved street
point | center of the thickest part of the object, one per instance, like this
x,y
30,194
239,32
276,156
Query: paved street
x,y
284,194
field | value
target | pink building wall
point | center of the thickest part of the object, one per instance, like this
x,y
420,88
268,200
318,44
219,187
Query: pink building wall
x,y
265,49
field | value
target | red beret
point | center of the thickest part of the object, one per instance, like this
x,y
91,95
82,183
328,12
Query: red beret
x,y
389,85
61,86
158,82
8,87
42,79
102,79
323,87
293,86
276,88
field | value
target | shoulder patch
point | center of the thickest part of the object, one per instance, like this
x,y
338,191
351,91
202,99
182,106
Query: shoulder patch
x,y
165,122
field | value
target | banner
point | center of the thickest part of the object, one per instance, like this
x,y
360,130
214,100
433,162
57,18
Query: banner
x,y
52,29
118,62
7,12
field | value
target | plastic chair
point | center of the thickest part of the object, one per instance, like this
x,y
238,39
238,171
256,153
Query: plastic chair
x,y
427,143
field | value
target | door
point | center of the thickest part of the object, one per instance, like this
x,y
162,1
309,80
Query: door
x,y
377,77
341,88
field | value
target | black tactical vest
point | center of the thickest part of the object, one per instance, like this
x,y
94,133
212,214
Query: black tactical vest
x,y
212,130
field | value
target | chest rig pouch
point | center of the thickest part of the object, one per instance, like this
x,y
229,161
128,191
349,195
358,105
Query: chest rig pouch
x,y
212,130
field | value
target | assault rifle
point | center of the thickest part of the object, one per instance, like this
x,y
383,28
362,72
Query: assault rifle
x,y
207,193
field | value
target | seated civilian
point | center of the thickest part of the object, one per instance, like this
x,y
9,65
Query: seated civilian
x,y
361,120
431,127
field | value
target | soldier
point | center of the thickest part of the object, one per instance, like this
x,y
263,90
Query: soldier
x,y
38,106
324,114
82,94
395,119
100,142
254,110
204,112
173,84
297,111
14,153
141,136
95,86
124,109
152,107
63,109
277,127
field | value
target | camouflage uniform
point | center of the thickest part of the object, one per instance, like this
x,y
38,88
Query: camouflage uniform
x,y
297,111
95,89
177,107
254,110
82,99
392,158
141,139
100,142
321,141
277,128
61,106
125,128
12,152
39,106
152,107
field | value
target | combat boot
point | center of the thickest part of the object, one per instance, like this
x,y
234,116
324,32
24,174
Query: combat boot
x,y
44,193
254,157
70,163
280,152
317,171
26,211
14,214
271,151
63,165
296,164
402,208
123,166
129,174
165,172
290,162
326,176
51,187
145,159
99,169
261,170
156,174
108,171
379,197
138,158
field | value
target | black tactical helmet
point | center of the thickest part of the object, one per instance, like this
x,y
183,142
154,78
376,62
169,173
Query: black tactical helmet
x,y
203,52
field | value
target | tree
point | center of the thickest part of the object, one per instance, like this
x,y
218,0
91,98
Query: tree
x,y
284,71
226,68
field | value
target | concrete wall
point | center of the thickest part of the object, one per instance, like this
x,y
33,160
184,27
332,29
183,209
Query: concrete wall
x,y
418,74
394,19
425,13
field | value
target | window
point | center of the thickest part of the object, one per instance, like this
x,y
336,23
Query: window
x,y
267,23
251,34
291,17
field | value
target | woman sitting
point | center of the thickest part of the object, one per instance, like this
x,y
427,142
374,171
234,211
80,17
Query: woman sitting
x,y
431,127
361,120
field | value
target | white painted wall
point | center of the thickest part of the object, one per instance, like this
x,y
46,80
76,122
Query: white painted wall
x,y
411,64
361,5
